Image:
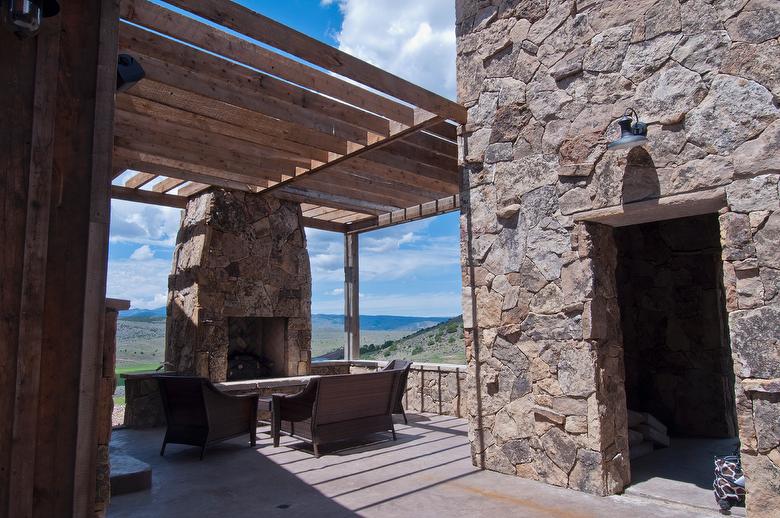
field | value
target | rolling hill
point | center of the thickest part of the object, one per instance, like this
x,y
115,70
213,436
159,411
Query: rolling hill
x,y
440,343
141,334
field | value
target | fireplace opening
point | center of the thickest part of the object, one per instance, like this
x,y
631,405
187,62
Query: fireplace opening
x,y
679,377
257,347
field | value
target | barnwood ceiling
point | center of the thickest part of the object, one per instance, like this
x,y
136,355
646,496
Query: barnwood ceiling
x,y
216,109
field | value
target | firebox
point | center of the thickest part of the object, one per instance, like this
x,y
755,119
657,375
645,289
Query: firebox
x,y
256,347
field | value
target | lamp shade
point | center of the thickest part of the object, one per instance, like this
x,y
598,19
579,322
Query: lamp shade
x,y
128,72
632,134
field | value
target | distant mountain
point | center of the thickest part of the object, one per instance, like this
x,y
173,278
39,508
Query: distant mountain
x,y
143,315
377,322
319,321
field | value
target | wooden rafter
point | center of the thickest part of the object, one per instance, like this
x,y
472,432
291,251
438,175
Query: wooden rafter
x,y
217,109
261,28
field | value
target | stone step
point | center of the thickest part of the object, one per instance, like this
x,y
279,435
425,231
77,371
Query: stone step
x,y
129,474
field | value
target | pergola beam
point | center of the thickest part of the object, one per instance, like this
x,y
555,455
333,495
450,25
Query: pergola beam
x,y
224,44
150,197
389,219
364,150
219,109
261,28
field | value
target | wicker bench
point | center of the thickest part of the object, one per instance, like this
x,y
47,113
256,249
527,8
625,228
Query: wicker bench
x,y
336,408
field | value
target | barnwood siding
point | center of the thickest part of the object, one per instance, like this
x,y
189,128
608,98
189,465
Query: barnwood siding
x,y
56,170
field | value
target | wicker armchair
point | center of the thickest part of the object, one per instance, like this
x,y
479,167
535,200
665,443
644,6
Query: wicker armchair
x,y
199,414
403,366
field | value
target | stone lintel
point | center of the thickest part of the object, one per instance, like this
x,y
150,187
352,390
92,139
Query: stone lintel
x,y
668,207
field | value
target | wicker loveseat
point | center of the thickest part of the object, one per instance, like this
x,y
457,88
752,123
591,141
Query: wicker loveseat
x,y
336,408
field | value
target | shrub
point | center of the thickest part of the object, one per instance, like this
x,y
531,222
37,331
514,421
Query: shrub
x,y
417,350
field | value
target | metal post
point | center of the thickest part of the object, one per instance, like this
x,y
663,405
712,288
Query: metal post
x,y
351,297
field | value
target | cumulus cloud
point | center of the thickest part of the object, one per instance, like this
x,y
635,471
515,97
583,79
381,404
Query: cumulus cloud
x,y
142,281
142,253
411,38
143,224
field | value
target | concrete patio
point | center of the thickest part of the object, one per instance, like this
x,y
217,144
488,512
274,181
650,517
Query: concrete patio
x,y
427,472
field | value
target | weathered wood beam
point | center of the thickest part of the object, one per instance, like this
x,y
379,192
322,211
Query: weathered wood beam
x,y
184,119
246,151
210,38
193,188
433,144
142,43
240,93
261,28
27,392
226,112
340,202
150,197
344,184
168,185
158,144
364,150
139,180
424,210
177,169
323,225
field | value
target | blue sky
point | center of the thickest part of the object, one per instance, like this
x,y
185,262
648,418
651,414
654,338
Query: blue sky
x,y
410,269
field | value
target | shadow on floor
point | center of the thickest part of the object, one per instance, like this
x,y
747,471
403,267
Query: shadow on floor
x,y
231,480
681,473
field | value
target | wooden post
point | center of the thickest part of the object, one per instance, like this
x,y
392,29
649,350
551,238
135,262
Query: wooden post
x,y
351,297
56,144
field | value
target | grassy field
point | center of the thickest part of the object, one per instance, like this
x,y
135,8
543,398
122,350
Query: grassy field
x,y
141,342
137,367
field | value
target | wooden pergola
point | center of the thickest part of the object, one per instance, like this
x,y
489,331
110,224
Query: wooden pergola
x,y
223,104
231,99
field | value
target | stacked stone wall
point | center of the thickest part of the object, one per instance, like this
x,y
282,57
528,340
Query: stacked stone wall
x,y
237,255
544,81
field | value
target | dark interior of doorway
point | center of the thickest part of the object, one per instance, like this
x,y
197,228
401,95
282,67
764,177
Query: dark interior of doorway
x,y
677,357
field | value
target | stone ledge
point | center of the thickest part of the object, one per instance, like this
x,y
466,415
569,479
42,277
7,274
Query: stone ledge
x,y
378,364
128,474
231,386
769,386
657,209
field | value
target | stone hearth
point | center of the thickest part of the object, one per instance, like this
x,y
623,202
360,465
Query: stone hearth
x,y
240,288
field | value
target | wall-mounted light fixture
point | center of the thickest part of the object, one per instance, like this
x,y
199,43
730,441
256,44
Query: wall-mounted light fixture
x,y
128,72
23,17
632,133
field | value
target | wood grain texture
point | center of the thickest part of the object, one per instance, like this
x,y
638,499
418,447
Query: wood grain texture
x,y
261,28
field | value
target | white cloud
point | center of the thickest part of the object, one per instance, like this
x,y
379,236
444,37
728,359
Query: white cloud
x,y
142,253
444,304
336,291
388,243
143,224
144,282
411,38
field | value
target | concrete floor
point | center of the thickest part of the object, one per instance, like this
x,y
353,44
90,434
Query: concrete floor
x,y
427,472
682,472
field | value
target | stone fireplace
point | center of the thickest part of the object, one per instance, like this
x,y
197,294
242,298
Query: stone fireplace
x,y
239,303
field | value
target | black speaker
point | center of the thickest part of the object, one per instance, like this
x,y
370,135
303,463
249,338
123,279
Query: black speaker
x,y
128,72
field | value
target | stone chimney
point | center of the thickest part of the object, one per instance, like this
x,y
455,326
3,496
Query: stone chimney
x,y
239,300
